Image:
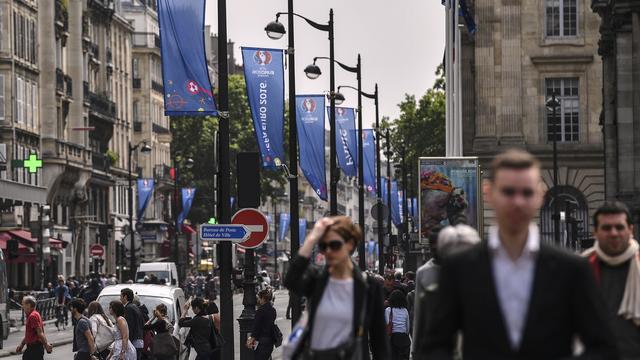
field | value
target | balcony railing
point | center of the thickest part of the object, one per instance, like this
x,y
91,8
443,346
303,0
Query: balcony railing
x,y
163,173
156,86
109,56
102,105
72,152
146,39
137,83
59,80
69,85
137,126
95,50
85,90
100,162
156,41
158,129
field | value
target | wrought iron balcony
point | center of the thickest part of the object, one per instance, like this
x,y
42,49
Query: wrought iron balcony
x,y
100,161
156,86
102,105
137,83
59,80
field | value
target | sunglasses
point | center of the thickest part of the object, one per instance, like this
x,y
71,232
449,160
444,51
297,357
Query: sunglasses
x,y
512,192
334,245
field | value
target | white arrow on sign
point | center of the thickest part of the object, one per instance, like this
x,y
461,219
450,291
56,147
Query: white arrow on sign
x,y
223,232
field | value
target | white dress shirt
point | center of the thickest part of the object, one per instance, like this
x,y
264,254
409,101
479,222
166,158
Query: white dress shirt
x,y
514,281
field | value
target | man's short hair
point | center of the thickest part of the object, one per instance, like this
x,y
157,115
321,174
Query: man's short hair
x,y
78,304
29,300
512,159
611,208
127,293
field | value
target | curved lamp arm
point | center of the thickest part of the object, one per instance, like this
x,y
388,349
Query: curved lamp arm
x,y
346,67
319,26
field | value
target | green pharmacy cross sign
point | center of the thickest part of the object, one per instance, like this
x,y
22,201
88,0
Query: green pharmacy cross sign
x,y
32,163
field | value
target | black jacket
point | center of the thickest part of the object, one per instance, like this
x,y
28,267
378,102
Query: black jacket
x,y
135,321
563,303
305,279
200,333
263,323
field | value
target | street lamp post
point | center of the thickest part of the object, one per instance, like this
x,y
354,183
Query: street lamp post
x,y
275,30
553,104
132,251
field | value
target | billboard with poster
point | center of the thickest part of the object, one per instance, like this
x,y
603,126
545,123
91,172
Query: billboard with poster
x,y
449,188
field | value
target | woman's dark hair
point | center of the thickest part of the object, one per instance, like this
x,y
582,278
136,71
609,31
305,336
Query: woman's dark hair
x,y
78,304
397,299
212,308
95,308
198,303
162,309
117,307
265,294
128,294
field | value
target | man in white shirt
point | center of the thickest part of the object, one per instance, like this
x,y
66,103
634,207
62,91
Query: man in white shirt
x,y
512,297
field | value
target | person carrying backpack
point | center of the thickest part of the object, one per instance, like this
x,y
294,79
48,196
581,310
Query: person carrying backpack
x,y
165,346
101,328
202,333
262,339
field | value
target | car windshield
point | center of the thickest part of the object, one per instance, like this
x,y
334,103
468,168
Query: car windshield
x,y
159,274
149,301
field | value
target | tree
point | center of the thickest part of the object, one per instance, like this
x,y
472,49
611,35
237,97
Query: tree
x,y
194,137
420,129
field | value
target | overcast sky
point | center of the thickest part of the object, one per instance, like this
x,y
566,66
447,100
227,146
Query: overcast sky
x,y
401,43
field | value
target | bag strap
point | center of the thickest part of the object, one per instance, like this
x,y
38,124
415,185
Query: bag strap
x,y
363,309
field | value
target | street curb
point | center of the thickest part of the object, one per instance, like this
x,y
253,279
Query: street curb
x,y
5,353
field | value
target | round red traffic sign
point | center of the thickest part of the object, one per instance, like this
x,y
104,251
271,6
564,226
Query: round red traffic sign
x,y
256,223
96,250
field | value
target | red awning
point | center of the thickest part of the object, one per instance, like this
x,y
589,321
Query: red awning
x,y
57,244
6,236
24,235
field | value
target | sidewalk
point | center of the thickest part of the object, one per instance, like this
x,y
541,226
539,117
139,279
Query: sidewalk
x,y
55,337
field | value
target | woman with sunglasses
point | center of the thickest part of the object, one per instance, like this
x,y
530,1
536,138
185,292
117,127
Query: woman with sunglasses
x,y
346,311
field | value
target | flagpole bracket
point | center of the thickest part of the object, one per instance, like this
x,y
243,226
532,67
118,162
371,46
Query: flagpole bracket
x,y
223,114
287,173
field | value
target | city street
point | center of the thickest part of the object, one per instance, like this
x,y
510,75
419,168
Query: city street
x,y
64,337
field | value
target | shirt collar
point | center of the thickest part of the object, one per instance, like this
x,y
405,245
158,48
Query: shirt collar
x,y
531,247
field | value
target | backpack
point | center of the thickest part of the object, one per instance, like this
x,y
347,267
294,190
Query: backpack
x,y
215,338
276,335
104,335
165,344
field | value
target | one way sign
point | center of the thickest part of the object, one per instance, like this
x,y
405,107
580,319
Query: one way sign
x,y
223,232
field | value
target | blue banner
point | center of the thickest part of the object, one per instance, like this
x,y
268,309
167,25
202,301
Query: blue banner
x,y
369,157
346,145
395,204
302,230
145,191
385,190
285,220
187,198
310,120
185,75
264,77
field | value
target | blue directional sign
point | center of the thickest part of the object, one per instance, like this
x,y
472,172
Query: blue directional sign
x,y
223,232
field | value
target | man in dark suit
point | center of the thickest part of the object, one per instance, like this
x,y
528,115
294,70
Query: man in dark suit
x,y
135,320
512,297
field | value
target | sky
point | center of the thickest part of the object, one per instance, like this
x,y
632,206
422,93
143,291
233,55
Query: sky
x,y
400,45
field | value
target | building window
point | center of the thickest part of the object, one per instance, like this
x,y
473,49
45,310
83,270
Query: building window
x,y
562,18
1,97
567,120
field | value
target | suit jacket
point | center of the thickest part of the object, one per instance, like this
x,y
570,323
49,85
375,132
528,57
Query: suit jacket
x,y
564,303
306,279
135,321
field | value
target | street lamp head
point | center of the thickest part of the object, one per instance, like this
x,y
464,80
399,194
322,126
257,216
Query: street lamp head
x,y
145,149
339,98
312,71
275,30
188,163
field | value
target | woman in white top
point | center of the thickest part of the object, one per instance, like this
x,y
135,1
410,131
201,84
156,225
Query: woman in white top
x,y
101,328
397,319
346,312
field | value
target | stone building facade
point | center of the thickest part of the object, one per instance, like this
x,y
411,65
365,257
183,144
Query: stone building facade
x,y
619,47
523,52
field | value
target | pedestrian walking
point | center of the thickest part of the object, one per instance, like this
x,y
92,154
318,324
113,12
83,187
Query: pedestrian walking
x,y
261,339
397,321
123,348
34,338
201,329
102,329
135,321
83,342
615,261
346,312
165,346
513,297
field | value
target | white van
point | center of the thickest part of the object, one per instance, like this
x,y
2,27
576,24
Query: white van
x,y
162,270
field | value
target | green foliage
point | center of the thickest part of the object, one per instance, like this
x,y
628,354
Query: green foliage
x,y
112,156
194,137
420,129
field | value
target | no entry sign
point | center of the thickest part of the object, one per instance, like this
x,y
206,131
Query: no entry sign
x,y
96,250
256,223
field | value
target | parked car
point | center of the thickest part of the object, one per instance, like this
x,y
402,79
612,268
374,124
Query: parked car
x,y
151,295
162,270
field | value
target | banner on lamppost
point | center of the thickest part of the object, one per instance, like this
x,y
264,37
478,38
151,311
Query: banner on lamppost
x,y
384,183
369,156
310,121
283,228
346,145
187,199
395,204
185,74
264,78
302,230
448,187
145,191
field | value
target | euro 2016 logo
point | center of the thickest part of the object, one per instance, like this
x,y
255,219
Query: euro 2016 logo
x,y
309,105
341,112
262,57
